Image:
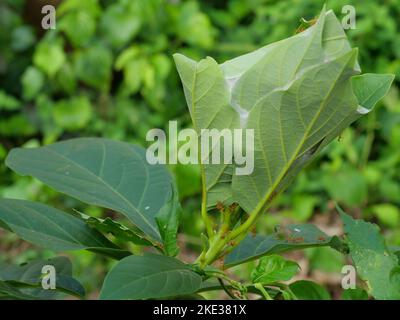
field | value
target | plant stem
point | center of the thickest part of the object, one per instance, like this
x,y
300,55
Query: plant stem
x,y
206,218
207,221
283,287
223,237
216,246
264,292
221,282
234,284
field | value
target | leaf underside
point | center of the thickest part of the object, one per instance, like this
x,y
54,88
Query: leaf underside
x,y
296,94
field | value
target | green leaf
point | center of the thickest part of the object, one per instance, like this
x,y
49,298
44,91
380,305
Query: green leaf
x,y
396,251
8,102
188,179
194,27
149,276
91,6
133,74
93,66
346,185
49,57
369,88
32,82
110,174
73,114
274,268
127,55
204,87
8,291
120,23
78,20
168,222
387,214
118,230
66,79
354,294
375,264
326,259
308,290
17,125
285,139
291,237
297,96
53,229
22,38
30,274
302,207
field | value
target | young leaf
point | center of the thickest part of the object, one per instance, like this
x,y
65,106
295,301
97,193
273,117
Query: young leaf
x,y
274,268
308,290
167,219
101,172
118,230
291,237
149,276
168,222
30,275
374,262
53,229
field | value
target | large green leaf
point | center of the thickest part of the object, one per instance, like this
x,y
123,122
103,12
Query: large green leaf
x,y
53,229
101,172
375,264
291,237
149,276
296,94
30,275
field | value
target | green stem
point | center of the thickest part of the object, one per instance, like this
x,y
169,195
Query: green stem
x,y
283,287
221,282
207,220
209,224
216,246
234,284
223,238
264,292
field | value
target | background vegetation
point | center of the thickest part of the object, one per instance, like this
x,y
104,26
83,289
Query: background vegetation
x,y
107,70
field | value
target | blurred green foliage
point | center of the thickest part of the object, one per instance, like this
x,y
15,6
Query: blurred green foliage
x,y
106,70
